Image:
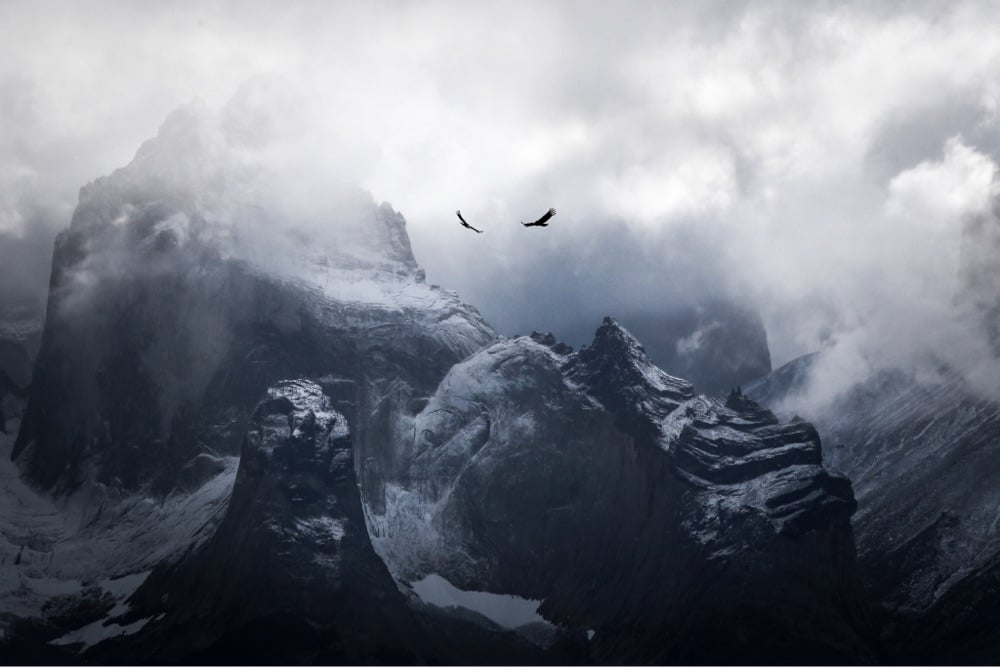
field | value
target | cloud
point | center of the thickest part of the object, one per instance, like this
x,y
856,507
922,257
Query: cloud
x,y
820,162
933,194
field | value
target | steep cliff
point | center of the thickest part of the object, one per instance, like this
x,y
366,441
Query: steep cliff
x,y
570,477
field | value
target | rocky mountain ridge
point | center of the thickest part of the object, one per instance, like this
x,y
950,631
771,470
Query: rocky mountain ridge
x,y
230,430
530,460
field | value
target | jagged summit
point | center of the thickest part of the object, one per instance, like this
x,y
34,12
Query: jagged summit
x,y
736,447
199,181
614,348
612,336
525,464
549,340
621,376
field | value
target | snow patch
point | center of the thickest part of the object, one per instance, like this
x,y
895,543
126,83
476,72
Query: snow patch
x,y
507,611
308,400
322,527
107,628
99,631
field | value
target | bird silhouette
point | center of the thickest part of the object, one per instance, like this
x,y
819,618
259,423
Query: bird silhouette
x,y
467,225
542,221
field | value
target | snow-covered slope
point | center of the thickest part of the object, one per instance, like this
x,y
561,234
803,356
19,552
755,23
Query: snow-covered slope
x,y
70,563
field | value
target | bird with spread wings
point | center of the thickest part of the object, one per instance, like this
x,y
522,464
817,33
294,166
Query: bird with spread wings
x,y
542,221
465,224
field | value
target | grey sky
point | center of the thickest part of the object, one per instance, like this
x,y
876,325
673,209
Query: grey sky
x,y
818,159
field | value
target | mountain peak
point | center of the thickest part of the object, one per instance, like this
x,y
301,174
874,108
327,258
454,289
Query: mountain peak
x,y
617,354
615,370
614,339
200,180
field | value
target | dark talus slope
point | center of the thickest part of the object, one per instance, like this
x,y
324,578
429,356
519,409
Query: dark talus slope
x,y
924,463
675,528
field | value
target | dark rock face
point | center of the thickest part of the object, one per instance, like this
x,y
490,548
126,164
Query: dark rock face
x,y
743,443
122,381
20,335
923,464
290,576
716,345
293,552
615,369
569,477
22,311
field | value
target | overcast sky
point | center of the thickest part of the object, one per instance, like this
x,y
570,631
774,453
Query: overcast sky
x,y
818,160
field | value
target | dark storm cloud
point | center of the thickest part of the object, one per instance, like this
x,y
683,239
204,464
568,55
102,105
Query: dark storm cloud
x,y
816,159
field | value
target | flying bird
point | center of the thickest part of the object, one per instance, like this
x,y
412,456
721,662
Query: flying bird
x,y
542,221
465,224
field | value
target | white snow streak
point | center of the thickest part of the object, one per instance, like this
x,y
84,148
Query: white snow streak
x,y
508,611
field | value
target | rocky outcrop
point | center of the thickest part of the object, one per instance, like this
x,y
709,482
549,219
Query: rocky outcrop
x,y
568,477
776,468
292,555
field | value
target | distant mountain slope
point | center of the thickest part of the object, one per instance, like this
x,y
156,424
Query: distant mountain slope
x,y
925,465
